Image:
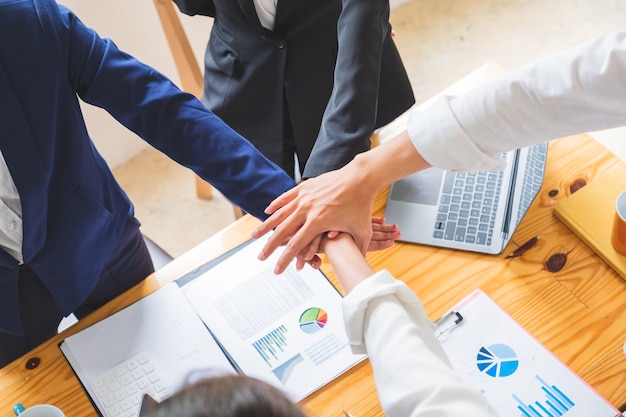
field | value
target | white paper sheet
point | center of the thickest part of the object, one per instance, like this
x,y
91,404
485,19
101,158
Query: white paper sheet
x,y
517,374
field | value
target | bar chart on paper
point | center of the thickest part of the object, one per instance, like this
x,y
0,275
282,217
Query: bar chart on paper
x,y
554,402
512,370
271,344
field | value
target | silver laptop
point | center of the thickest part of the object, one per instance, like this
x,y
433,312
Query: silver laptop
x,y
476,211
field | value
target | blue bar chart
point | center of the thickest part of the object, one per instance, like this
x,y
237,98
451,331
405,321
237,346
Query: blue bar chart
x,y
269,345
555,403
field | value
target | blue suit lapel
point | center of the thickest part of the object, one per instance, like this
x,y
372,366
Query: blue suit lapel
x,y
25,164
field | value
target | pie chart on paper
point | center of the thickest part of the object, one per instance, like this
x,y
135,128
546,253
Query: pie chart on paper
x,y
313,320
497,360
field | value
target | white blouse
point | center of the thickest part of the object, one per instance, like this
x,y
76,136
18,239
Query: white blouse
x,y
414,378
11,236
266,10
576,91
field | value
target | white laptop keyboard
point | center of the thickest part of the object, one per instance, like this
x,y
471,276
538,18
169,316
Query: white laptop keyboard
x,y
468,203
467,208
120,390
532,183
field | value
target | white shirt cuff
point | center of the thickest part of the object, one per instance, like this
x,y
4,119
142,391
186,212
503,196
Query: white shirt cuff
x,y
457,152
378,285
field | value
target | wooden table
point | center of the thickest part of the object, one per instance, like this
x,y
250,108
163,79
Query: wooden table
x,y
577,312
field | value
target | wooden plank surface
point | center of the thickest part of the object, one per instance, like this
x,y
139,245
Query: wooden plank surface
x,y
577,312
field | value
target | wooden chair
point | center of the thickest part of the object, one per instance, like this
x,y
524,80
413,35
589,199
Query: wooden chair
x,y
188,70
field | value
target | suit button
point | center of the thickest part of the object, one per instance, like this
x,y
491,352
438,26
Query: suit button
x,y
281,45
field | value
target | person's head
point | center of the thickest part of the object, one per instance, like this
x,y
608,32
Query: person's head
x,y
226,396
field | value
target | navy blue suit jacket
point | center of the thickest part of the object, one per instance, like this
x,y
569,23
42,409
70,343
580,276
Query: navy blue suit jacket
x,y
73,209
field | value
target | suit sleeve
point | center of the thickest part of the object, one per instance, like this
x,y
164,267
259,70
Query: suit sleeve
x,y
194,7
172,121
350,115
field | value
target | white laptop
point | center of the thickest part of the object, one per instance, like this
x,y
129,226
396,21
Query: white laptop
x,y
476,211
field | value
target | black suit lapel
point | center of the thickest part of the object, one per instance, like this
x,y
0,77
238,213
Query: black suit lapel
x,y
247,7
282,10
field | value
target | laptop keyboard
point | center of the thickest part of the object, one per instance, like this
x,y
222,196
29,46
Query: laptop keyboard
x,y
120,390
532,183
468,202
467,208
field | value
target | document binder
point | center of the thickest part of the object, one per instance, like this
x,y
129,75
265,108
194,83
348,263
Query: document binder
x,y
515,373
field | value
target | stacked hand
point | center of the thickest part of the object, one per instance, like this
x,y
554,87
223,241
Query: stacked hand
x,y
320,206
338,201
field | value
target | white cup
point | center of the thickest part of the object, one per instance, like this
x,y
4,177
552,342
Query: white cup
x,y
42,410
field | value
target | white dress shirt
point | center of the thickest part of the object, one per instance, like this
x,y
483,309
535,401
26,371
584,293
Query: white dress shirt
x,y
413,375
580,90
266,10
10,213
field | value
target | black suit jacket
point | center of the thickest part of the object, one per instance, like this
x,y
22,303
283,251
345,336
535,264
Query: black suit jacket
x,y
333,61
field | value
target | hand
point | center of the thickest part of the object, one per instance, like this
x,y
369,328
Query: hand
x,y
338,200
383,237
347,261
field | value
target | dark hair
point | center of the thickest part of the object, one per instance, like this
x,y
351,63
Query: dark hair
x,y
228,396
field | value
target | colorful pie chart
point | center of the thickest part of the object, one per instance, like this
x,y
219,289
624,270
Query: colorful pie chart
x,y
313,320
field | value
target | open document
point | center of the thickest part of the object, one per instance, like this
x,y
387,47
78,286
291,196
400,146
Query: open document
x,y
236,316
285,329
